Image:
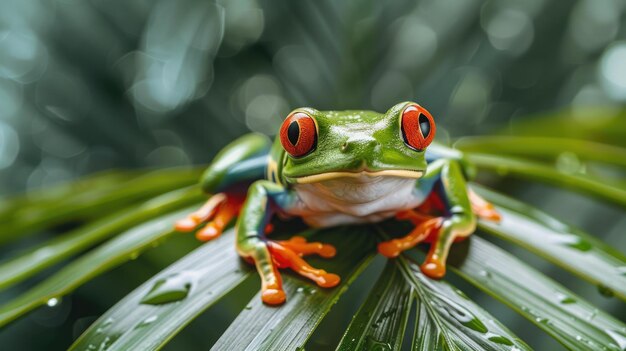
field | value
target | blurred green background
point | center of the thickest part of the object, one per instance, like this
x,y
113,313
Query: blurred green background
x,y
91,85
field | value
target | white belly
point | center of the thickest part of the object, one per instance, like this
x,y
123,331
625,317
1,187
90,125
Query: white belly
x,y
355,200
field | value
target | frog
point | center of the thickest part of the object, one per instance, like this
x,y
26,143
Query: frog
x,y
333,168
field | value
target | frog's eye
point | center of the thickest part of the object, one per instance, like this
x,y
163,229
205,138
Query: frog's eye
x,y
418,127
298,134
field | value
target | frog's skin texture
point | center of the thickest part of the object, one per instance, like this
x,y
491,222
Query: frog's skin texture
x,y
339,167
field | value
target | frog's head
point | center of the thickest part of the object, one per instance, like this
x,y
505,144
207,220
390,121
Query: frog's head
x,y
324,145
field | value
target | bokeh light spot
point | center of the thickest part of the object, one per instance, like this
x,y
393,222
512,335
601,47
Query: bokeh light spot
x,y
613,71
9,145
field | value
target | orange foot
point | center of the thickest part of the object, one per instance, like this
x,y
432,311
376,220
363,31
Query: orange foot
x,y
287,254
217,212
427,229
482,208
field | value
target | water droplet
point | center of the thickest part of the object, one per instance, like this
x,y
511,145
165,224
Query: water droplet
x,y
568,162
499,339
306,290
605,291
248,307
618,337
108,322
104,326
53,302
91,347
375,345
571,240
147,321
134,255
171,288
485,274
105,344
541,320
592,315
565,299
462,294
463,316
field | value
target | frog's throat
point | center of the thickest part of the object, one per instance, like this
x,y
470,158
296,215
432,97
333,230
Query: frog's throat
x,y
401,173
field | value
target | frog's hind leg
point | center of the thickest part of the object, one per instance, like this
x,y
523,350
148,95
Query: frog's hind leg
x,y
227,178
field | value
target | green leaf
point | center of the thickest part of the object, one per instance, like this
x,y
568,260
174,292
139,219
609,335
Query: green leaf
x,y
261,327
381,321
195,282
52,195
600,124
584,183
89,199
543,147
64,246
448,320
103,258
557,242
571,320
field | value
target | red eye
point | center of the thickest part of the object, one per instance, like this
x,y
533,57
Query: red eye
x,y
418,127
298,134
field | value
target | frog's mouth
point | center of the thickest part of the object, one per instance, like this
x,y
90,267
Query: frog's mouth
x,y
399,173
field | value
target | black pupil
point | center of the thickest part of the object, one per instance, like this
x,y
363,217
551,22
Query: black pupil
x,y
424,126
293,133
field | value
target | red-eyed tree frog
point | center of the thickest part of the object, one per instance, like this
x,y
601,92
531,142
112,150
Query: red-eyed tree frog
x,y
339,167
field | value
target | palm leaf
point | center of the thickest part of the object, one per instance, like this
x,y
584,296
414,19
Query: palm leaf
x,y
568,318
448,320
53,251
261,327
203,277
543,147
111,254
382,319
555,241
539,172
601,124
87,200
53,194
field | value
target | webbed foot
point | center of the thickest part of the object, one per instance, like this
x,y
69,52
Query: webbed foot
x,y
440,232
215,214
269,256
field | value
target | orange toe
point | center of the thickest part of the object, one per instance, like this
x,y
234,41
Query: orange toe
x,y
185,225
302,247
434,269
273,296
209,232
327,251
328,280
389,249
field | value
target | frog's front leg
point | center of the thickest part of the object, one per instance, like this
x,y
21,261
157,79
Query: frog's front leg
x,y
263,200
231,172
446,180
